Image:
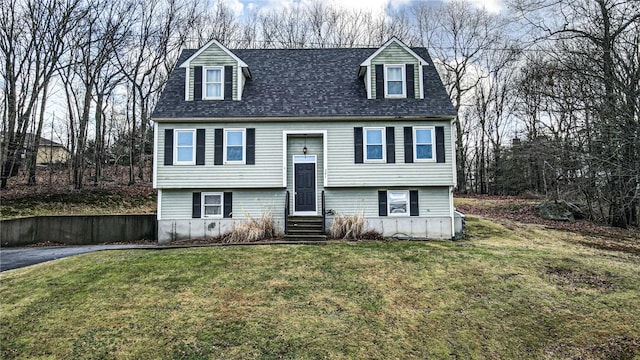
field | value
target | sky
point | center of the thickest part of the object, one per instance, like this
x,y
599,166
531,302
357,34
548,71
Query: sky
x,y
239,6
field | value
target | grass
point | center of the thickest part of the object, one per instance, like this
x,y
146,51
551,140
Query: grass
x,y
133,200
508,291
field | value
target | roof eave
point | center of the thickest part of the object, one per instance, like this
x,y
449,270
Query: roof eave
x,y
307,118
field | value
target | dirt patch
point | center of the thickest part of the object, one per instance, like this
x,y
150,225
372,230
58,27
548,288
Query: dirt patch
x,y
575,278
619,348
622,348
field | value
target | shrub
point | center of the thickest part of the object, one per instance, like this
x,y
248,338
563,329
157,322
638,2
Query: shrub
x,y
371,235
348,227
252,230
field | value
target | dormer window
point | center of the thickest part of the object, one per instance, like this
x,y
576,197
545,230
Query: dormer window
x,y
212,84
394,85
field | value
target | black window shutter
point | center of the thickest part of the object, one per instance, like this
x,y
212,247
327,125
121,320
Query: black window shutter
x,y
228,82
200,139
382,203
357,140
197,212
379,82
217,147
228,205
251,146
197,83
168,146
408,144
440,144
413,203
391,145
411,90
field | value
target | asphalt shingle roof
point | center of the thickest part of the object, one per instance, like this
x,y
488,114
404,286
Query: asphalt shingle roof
x,y
304,83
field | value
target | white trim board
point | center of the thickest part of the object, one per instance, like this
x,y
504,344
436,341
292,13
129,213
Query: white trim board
x,y
313,160
286,133
187,62
367,62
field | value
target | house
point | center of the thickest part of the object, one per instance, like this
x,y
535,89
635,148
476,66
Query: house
x,y
304,134
49,151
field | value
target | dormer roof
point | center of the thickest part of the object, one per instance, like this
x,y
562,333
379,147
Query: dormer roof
x,y
185,64
394,40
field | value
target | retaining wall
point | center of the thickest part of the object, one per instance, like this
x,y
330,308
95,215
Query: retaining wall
x,y
77,230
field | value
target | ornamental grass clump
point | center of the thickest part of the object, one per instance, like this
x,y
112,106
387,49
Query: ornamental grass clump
x,y
252,230
347,227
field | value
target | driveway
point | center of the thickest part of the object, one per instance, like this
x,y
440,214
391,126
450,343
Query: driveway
x,y
14,258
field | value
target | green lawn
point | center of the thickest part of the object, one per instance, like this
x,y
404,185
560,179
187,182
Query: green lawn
x,y
510,291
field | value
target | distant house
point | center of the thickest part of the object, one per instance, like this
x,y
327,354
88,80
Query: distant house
x,y
304,134
49,151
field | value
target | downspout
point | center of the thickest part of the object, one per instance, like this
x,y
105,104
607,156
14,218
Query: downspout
x,y
452,213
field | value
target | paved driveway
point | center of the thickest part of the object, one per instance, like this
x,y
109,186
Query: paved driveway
x,y
13,258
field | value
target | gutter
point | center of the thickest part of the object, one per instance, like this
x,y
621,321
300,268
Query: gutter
x,y
308,119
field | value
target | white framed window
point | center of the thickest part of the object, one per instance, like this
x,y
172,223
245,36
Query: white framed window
x,y
423,143
374,144
234,146
184,151
398,203
212,204
212,84
394,81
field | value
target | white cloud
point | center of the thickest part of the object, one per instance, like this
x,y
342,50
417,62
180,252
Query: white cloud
x,y
376,6
236,6
372,5
492,6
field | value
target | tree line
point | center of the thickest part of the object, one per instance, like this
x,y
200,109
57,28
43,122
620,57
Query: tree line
x,y
547,92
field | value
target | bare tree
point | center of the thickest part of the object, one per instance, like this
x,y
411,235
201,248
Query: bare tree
x,y
31,42
158,34
457,34
98,37
596,41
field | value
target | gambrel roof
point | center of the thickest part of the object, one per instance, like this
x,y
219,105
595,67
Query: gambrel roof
x,y
304,83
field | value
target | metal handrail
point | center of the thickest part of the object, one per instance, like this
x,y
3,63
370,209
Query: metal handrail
x,y
286,212
324,216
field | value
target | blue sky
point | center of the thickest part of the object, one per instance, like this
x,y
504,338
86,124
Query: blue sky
x,y
240,6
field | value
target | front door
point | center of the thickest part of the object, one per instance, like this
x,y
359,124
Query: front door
x,y
305,187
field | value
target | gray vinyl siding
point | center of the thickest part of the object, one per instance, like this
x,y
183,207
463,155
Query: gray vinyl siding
x,y
432,202
341,169
394,54
295,145
214,56
177,204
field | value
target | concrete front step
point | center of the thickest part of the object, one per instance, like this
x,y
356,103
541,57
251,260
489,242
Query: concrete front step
x,y
292,237
302,231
